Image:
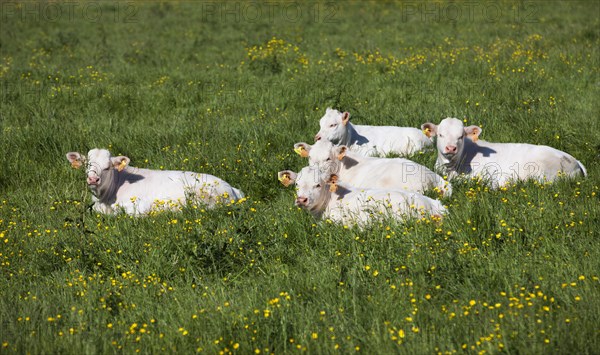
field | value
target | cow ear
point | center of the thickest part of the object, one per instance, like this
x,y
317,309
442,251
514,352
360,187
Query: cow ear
x,y
429,129
302,149
345,118
341,152
76,159
119,162
473,132
332,181
286,177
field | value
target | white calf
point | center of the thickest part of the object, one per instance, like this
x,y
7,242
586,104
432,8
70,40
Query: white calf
x,y
371,172
461,152
324,197
118,187
370,140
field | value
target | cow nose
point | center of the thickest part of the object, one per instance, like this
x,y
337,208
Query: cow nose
x,y
450,149
93,180
302,201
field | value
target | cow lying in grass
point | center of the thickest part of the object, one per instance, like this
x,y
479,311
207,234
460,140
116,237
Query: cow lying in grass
x,y
370,140
461,152
371,172
118,187
327,198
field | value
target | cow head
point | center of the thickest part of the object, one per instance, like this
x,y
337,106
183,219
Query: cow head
x,y
451,133
333,126
314,189
100,166
323,155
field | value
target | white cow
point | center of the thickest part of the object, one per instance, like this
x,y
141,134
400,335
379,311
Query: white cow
x,y
370,140
327,198
118,187
461,152
371,172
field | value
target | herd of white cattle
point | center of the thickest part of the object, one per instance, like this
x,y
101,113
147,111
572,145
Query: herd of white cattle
x,y
346,181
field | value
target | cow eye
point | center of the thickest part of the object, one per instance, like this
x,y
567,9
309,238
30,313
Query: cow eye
x,y
318,186
332,125
440,136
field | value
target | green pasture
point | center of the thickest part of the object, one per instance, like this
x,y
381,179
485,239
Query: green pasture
x,y
227,88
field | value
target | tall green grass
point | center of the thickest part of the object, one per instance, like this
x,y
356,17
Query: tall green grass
x,y
227,89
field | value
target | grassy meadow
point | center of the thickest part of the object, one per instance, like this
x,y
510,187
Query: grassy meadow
x,y
227,88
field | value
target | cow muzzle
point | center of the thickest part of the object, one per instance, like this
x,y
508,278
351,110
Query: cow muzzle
x,y
302,201
450,149
93,180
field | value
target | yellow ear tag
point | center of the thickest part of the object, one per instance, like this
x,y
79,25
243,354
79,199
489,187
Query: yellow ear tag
x,y
333,187
427,132
301,151
122,165
474,136
76,164
285,179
